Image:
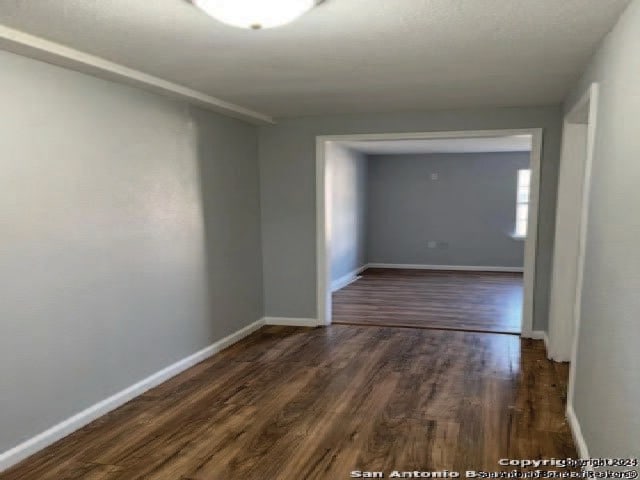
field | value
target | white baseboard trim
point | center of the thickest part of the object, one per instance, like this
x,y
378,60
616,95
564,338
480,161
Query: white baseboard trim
x,y
574,424
554,355
578,438
27,448
535,334
347,279
291,322
466,268
538,335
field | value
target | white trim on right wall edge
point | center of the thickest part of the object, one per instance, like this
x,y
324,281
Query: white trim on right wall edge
x,y
578,438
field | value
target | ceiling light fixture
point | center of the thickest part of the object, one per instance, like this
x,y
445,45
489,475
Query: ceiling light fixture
x,y
255,14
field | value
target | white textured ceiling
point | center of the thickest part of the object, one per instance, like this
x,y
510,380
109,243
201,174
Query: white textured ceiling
x,y
345,56
513,143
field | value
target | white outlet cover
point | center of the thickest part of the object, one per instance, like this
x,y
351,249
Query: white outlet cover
x,y
434,176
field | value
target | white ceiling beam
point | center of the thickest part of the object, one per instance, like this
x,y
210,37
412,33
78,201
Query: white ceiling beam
x,y
28,45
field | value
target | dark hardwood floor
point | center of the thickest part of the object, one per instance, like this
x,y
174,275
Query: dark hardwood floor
x,y
468,301
292,403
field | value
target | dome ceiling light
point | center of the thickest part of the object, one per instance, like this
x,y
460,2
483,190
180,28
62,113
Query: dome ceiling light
x,y
255,14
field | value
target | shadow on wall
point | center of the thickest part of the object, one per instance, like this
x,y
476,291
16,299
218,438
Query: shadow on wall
x,y
346,172
103,268
227,152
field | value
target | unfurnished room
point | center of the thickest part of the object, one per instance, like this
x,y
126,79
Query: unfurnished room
x,y
430,233
319,239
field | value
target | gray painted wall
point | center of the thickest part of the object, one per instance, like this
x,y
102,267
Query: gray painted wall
x,y
470,207
607,383
287,185
130,239
346,173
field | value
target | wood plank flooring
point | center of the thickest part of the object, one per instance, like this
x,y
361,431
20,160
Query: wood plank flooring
x,y
292,403
469,301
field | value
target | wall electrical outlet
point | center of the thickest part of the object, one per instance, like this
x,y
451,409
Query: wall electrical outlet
x,y
432,244
434,176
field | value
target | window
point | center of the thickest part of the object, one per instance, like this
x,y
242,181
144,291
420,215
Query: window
x,y
522,202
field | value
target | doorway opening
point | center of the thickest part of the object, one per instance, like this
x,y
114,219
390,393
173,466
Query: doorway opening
x,y
571,230
571,223
429,230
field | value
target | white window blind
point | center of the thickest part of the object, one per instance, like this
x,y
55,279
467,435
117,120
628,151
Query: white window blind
x,y
522,202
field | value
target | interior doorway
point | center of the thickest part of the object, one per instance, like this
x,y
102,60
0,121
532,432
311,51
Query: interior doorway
x,y
571,223
507,288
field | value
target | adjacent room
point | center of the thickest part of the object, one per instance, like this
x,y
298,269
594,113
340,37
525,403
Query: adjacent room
x,y
319,239
429,233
